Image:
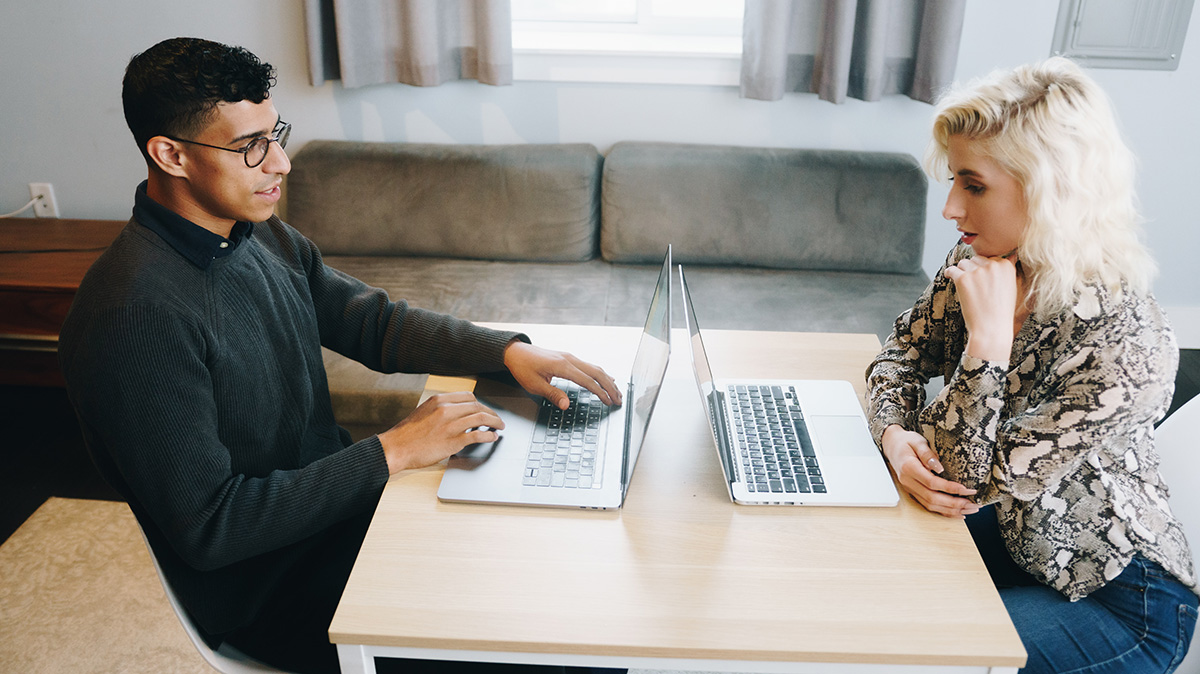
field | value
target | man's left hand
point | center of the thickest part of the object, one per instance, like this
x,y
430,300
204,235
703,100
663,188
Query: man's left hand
x,y
534,367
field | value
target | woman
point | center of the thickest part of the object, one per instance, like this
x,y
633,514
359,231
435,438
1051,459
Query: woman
x,y
1057,363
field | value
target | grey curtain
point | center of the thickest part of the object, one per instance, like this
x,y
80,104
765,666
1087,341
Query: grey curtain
x,y
858,48
418,42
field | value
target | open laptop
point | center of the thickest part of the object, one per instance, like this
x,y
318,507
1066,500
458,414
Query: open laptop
x,y
789,442
539,461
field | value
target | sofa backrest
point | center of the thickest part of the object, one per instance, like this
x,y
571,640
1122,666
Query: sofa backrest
x,y
494,202
780,208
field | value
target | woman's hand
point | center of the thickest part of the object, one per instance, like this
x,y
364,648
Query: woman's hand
x,y
914,463
988,289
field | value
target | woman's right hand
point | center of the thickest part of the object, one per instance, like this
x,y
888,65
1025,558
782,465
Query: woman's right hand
x,y
989,292
915,464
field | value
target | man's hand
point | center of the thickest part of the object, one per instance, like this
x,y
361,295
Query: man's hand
x,y
988,291
439,427
533,367
914,463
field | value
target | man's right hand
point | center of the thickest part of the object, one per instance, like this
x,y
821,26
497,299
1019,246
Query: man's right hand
x,y
439,427
915,463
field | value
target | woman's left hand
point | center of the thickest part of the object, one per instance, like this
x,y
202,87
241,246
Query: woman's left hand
x,y
987,289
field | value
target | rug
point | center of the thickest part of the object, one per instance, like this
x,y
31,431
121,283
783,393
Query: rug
x,y
78,593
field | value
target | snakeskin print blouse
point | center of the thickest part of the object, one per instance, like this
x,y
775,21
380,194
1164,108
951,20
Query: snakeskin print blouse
x,y
1060,438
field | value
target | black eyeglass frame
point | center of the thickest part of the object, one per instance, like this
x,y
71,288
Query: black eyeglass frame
x,y
280,136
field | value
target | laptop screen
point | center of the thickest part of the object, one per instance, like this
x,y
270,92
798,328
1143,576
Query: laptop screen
x,y
704,379
700,366
649,366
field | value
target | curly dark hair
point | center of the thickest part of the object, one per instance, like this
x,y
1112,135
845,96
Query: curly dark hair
x,y
173,88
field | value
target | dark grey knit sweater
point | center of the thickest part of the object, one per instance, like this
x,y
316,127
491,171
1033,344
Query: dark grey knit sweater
x,y
200,389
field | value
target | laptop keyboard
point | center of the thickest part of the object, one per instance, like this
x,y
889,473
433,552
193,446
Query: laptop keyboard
x,y
565,448
777,454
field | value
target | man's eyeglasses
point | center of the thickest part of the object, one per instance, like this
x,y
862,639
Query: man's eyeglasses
x,y
254,152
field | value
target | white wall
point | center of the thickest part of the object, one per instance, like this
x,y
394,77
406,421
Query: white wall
x,y
61,63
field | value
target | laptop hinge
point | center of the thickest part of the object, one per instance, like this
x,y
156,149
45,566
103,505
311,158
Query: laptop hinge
x,y
628,439
724,439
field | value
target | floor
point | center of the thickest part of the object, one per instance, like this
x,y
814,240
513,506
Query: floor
x,y
44,453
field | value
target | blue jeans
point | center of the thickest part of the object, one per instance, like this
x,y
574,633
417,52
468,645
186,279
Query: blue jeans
x,y
1140,622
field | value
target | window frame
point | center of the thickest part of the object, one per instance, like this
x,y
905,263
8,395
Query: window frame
x,y
653,49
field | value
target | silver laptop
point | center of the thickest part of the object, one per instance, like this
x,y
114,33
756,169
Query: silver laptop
x,y
789,442
581,458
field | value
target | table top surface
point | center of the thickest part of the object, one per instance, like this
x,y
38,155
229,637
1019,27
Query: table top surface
x,y
680,571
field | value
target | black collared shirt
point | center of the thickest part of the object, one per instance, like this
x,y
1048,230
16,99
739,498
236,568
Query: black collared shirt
x,y
192,241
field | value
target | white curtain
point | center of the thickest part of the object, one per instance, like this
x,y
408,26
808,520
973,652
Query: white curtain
x,y
418,42
857,48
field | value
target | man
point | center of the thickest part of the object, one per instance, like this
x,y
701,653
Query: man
x,y
192,357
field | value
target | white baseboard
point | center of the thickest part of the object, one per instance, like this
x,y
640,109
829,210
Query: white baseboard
x,y
1186,322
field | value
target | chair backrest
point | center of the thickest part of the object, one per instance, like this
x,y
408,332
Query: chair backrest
x,y
226,659
1178,443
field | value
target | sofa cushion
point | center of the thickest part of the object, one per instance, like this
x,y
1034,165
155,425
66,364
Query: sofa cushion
x,y
765,207
495,202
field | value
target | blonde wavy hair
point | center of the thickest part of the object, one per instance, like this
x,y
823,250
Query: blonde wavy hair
x,y
1051,127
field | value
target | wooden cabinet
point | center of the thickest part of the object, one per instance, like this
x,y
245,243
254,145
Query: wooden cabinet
x,y
42,262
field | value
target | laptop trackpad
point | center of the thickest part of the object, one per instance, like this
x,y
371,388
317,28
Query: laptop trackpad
x,y
842,435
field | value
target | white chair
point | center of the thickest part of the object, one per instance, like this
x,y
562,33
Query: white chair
x,y
226,659
1178,442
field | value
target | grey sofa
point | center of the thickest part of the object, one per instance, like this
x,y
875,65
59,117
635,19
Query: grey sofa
x,y
773,239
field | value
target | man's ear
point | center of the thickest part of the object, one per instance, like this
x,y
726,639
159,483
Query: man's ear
x,y
166,154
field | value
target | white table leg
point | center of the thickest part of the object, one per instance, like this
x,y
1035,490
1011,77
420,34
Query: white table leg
x,y
355,659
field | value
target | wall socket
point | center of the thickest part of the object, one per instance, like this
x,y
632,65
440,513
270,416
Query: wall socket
x,y
46,206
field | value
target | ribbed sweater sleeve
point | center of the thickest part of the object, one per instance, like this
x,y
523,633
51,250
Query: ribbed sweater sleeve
x,y
363,323
164,429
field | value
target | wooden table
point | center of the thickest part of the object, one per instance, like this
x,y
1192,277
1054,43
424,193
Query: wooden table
x,y
42,262
680,578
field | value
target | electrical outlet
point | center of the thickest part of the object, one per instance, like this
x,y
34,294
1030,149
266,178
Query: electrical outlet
x,y
45,206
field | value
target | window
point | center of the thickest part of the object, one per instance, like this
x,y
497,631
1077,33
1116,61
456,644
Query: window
x,y
639,41
1135,34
